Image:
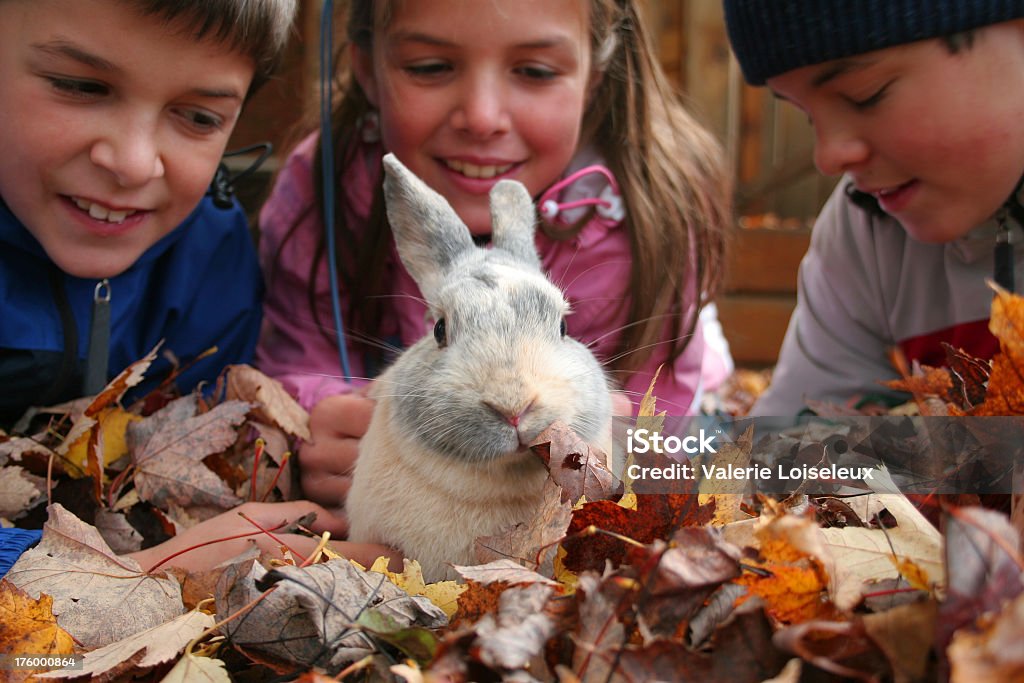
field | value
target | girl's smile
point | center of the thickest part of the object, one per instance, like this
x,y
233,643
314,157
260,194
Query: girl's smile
x,y
473,92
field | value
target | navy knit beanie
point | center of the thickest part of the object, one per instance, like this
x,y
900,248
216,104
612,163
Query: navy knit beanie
x,y
771,37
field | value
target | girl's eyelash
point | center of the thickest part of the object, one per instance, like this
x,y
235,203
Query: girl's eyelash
x,y
428,69
537,72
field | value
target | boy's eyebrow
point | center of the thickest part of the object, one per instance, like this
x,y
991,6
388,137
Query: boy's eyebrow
x,y
837,68
64,48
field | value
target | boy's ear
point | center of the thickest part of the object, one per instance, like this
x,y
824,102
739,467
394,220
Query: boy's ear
x,y
362,67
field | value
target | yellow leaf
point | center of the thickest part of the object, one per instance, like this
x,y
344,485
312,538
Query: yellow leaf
x,y
564,576
914,574
444,594
113,424
29,626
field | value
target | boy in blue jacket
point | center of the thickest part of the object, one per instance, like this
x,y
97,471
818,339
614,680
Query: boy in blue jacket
x,y
114,116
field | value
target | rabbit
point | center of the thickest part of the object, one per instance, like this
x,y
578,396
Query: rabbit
x,y
445,458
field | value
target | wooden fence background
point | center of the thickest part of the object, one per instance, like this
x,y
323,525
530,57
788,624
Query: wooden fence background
x,y
768,142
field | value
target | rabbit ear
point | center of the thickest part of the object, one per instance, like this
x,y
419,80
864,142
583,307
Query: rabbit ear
x,y
429,234
513,221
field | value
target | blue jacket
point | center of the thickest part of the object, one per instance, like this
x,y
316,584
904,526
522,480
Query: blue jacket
x,y
200,286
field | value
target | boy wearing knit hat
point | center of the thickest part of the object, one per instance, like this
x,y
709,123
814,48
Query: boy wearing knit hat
x,y
919,105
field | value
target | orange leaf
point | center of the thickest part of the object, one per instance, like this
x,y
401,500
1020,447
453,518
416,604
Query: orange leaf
x,y
29,627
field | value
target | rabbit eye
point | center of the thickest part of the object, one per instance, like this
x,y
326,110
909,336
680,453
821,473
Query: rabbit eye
x,y
561,327
440,335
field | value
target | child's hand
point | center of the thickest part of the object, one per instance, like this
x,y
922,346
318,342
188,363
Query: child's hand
x,y
267,515
336,423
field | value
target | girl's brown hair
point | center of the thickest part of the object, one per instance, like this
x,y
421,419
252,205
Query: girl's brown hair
x,y
673,180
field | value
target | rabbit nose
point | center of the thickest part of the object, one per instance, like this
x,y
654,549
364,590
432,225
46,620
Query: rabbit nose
x,y
513,416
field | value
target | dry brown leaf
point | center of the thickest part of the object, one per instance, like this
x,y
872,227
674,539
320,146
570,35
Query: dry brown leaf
x,y
142,650
1007,323
444,594
532,543
98,597
28,625
307,619
125,380
119,534
992,654
276,405
517,633
575,466
169,467
502,571
866,554
723,492
112,424
17,448
682,578
793,587
906,634
193,669
19,491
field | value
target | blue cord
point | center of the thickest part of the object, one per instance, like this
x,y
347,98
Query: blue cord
x,y
327,153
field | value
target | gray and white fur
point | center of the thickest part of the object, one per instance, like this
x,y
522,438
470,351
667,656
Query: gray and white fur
x,y
445,458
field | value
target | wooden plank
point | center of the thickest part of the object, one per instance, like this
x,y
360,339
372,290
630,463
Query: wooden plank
x,y
755,326
706,65
766,261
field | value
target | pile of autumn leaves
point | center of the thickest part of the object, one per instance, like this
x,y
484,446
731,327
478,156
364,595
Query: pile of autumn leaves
x,y
604,585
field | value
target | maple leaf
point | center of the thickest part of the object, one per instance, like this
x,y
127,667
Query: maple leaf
x,y
516,634
860,554
742,651
118,533
444,594
125,380
578,468
995,652
29,627
307,619
534,542
97,596
19,491
906,635
169,468
112,424
656,516
1007,323
601,634
794,580
983,562
681,578
484,585
142,650
273,403
193,669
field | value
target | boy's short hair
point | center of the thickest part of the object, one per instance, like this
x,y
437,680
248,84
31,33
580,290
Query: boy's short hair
x,y
256,28
771,37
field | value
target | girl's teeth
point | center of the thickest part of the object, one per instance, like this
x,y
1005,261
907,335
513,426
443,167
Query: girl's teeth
x,y
474,171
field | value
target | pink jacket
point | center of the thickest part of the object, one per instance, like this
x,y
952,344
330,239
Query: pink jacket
x,y
592,269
